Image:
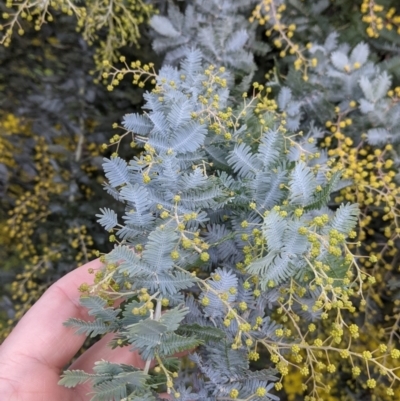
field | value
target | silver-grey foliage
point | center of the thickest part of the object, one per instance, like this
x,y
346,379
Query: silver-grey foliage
x,y
184,214
218,28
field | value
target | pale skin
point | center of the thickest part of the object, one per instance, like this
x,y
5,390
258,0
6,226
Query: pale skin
x,y
35,353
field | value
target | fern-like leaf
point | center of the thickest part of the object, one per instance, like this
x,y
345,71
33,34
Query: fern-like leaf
x,y
243,161
139,124
345,218
321,198
271,147
91,329
192,63
179,114
116,170
108,219
158,249
173,343
201,332
188,137
302,184
173,317
71,378
129,261
97,307
275,266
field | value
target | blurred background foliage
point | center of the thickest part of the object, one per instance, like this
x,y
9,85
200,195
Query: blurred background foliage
x,y
107,25
53,120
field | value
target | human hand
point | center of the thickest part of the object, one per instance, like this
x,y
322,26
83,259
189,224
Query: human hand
x,y
38,349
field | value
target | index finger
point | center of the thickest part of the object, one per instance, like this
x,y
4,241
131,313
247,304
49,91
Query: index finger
x,y
40,334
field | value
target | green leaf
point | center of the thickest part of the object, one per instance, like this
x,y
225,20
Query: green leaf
x,y
129,261
97,307
338,269
173,343
114,390
204,333
88,328
146,334
71,378
321,198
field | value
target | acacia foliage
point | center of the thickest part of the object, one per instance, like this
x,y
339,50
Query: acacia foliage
x,y
330,70
223,191
53,121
